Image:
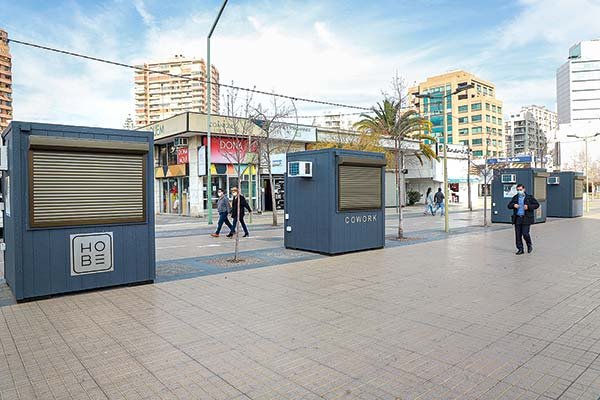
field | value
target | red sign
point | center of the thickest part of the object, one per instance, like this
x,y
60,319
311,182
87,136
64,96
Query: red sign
x,y
228,150
182,155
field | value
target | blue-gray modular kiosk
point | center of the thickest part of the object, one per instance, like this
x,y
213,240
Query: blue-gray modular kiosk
x,y
565,194
78,208
504,187
334,201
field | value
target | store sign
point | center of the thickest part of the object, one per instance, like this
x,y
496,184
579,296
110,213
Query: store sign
x,y
453,150
228,150
508,160
278,164
182,155
91,253
290,132
202,161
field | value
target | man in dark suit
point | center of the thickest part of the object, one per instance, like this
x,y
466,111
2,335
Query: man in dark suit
x,y
243,206
523,205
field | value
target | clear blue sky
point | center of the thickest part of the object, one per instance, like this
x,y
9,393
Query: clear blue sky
x,y
343,51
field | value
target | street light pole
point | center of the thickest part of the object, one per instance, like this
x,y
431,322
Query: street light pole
x,y
469,178
445,122
208,116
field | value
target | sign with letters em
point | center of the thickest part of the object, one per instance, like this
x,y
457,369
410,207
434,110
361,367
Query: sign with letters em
x,y
91,253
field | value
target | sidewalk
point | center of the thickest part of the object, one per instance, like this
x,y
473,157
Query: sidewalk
x,y
465,319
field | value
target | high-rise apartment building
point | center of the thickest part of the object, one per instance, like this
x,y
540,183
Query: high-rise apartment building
x,y
336,121
578,84
546,119
474,117
160,96
5,82
524,136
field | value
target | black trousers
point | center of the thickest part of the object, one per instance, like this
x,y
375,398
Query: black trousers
x,y
522,232
242,223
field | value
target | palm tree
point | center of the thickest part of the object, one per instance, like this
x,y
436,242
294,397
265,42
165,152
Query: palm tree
x,y
389,121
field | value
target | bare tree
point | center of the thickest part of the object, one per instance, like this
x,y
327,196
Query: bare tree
x,y
278,137
239,129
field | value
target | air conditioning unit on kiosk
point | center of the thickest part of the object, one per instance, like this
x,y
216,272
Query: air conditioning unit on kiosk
x,y
300,169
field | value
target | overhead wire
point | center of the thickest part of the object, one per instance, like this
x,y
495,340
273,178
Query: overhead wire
x,y
189,78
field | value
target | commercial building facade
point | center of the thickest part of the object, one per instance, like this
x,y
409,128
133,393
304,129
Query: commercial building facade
x,y
181,153
160,96
578,84
5,82
474,117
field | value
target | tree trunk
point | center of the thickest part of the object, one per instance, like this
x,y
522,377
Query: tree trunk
x,y
237,224
273,202
485,200
401,195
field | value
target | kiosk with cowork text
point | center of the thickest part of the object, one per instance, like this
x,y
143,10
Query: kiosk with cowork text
x,y
334,201
79,208
504,187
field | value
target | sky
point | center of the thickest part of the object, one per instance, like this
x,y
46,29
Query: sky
x,y
332,50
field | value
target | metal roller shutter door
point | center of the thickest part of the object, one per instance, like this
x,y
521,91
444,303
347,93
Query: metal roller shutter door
x,y
359,187
80,188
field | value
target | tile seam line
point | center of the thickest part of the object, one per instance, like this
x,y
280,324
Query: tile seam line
x,y
241,327
72,351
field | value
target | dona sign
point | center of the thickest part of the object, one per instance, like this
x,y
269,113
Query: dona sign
x,y
227,150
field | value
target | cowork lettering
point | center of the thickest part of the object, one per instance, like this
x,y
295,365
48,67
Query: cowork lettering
x,y
360,219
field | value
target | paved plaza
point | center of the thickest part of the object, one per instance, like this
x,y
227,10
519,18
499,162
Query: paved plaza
x,y
442,318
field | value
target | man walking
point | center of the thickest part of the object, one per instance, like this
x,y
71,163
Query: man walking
x,y
224,208
243,206
523,205
439,201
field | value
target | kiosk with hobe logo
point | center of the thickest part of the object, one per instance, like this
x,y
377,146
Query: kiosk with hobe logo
x,y
334,201
504,187
79,209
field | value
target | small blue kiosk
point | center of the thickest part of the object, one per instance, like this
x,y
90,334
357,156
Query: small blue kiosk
x,y
334,201
79,210
565,194
504,187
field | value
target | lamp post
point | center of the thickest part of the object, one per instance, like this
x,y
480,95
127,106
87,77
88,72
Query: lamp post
x,y
208,115
445,96
470,204
586,139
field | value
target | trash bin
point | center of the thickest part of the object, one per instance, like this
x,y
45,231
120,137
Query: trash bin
x,y
565,194
334,201
79,210
504,187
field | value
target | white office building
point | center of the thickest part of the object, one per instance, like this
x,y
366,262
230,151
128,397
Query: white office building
x,y
578,84
578,103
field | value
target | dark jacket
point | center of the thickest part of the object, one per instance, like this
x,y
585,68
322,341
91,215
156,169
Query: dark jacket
x,y
531,203
243,206
439,197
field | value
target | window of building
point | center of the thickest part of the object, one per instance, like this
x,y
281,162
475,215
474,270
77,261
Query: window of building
x,y
494,120
463,131
494,131
464,142
485,91
499,121
487,118
476,141
476,118
478,153
463,120
487,106
477,129
493,107
463,109
476,107
499,110
494,142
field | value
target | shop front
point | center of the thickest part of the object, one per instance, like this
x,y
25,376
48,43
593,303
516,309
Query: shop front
x,y
172,180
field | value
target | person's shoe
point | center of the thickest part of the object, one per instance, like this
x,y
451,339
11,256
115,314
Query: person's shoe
x,y
230,235
520,252
214,234
246,234
529,249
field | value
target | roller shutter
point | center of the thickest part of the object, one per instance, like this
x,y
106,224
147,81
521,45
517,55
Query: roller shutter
x,y
82,188
359,187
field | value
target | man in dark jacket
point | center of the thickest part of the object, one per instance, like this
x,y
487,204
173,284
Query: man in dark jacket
x,y
234,211
523,205
439,201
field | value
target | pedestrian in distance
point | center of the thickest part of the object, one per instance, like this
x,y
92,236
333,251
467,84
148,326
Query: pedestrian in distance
x,y
428,202
223,208
237,197
523,205
439,202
